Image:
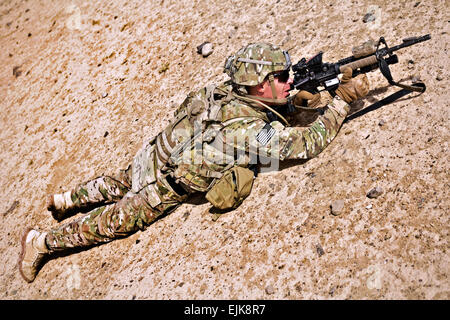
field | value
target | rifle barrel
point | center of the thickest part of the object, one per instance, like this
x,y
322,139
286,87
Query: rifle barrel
x,y
370,60
410,41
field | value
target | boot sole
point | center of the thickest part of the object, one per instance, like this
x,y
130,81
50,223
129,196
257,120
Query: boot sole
x,y
22,254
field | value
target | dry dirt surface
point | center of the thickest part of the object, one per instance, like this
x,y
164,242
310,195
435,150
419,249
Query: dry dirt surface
x,y
84,83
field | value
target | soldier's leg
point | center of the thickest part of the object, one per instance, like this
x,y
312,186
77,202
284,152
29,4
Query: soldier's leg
x,y
99,191
131,213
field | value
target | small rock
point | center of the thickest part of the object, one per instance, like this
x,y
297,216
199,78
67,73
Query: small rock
x,y
270,289
375,192
336,207
320,250
369,206
164,68
311,174
331,292
439,78
106,134
368,17
381,123
104,95
11,209
205,49
16,71
415,79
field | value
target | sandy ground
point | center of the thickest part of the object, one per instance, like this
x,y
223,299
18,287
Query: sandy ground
x,y
84,83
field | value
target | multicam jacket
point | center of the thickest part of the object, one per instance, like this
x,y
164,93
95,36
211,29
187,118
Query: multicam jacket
x,y
213,130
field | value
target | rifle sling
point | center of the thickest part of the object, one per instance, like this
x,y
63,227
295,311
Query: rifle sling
x,y
417,87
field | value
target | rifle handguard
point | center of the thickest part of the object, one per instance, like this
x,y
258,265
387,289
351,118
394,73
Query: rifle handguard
x,y
360,63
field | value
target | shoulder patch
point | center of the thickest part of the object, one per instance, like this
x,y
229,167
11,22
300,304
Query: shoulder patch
x,y
265,134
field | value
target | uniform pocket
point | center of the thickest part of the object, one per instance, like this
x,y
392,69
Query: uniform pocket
x,y
231,189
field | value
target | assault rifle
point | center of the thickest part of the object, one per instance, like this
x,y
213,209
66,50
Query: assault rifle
x,y
314,76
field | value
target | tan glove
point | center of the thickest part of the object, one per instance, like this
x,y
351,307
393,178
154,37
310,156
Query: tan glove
x,y
301,96
352,89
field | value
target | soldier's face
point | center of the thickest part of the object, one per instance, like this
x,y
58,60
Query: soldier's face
x,y
282,84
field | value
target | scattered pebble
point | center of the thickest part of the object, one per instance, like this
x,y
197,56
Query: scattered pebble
x,y
369,206
439,78
270,289
415,79
331,292
320,250
381,123
375,192
310,174
368,17
104,95
164,68
205,49
336,207
11,209
16,71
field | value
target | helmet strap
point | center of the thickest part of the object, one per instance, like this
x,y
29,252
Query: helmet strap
x,y
280,102
258,101
272,86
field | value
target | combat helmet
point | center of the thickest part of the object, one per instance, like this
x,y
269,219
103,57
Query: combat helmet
x,y
251,64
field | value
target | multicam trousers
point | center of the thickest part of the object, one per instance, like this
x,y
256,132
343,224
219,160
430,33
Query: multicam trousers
x,y
122,212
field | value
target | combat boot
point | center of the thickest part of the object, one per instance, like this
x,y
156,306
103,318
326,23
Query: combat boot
x,y
59,205
34,250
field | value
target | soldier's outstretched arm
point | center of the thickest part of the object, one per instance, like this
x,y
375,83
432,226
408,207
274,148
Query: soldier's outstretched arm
x,y
306,143
299,143
274,140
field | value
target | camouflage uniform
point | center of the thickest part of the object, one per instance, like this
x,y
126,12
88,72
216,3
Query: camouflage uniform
x,y
213,130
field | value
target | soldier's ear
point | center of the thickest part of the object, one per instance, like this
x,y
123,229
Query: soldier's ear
x,y
256,90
